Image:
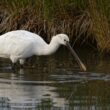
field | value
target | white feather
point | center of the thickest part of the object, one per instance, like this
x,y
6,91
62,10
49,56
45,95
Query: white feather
x,y
20,44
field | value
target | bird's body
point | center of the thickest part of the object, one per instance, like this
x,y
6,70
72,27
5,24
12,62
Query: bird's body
x,y
21,44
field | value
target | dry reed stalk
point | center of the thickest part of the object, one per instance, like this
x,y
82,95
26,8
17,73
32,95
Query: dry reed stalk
x,y
100,28
79,23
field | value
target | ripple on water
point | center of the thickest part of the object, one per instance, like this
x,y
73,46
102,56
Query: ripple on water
x,y
73,76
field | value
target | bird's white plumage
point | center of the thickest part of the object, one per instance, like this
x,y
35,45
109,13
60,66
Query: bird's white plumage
x,y
20,44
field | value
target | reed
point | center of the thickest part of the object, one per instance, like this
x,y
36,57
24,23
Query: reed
x,y
85,21
100,21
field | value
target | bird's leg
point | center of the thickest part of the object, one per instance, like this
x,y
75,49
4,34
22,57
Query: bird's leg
x,y
21,61
21,66
13,66
14,60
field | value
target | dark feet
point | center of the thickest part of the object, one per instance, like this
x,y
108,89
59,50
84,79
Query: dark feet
x,y
13,65
21,66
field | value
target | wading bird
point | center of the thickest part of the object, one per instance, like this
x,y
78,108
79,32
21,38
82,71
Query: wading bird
x,y
21,44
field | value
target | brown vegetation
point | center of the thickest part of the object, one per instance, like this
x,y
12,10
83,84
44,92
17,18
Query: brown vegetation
x,y
85,21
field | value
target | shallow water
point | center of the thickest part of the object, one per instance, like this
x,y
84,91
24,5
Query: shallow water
x,y
56,83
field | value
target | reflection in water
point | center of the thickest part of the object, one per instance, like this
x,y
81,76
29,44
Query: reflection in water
x,y
55,84
27,94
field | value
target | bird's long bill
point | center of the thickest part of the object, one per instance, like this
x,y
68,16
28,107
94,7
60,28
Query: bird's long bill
x,y
82,66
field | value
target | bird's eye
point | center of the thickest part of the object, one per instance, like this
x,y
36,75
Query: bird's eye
x,y
65,40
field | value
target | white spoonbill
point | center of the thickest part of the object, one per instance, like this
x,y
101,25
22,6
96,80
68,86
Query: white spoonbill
x,y
21,44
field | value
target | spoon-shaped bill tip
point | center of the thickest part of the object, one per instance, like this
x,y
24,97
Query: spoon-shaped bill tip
x,y
82,66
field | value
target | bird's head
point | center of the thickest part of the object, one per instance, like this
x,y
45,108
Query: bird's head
x,y
62,39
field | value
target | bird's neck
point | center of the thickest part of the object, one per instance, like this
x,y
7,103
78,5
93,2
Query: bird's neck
x,y
52,47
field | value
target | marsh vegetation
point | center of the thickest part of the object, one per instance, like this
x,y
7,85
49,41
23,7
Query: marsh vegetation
x,y
86,22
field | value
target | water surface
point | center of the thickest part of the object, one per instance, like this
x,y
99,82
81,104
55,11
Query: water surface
x,y
56,83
